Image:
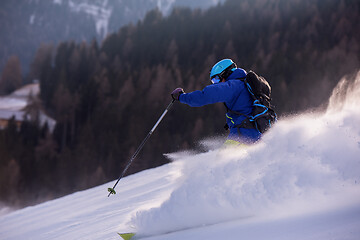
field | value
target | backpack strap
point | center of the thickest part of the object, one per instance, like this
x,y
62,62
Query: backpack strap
x,y
246,123
235,112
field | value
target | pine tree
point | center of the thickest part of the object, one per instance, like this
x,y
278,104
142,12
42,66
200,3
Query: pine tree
x,y
11,77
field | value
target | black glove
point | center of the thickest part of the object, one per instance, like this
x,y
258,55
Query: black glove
x,y
176,93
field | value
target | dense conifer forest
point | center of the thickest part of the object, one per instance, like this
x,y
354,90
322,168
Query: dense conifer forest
x,y
106,96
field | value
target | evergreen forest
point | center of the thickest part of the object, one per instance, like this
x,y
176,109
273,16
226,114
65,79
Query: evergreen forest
x,y
105,97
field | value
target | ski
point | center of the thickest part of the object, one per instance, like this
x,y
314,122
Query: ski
x,y
127,236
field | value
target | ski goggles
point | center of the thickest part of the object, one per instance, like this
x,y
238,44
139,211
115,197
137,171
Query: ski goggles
x,y
215,79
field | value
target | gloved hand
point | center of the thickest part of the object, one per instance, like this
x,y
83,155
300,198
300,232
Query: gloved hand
x,y
176,93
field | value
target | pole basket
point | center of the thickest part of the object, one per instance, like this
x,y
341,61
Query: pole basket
x,y
111,191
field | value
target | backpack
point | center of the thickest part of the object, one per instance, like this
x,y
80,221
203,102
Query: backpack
x,y
263,114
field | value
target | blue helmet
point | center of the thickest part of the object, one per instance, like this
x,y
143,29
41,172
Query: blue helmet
x,y
222,67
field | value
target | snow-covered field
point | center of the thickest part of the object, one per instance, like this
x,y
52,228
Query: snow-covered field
x,y
300,182
14,104
19,98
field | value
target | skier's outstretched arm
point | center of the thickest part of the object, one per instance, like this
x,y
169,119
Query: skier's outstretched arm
x,y
221,92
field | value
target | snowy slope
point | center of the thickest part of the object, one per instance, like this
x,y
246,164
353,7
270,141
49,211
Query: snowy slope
x,y
14,104
91,214
19,98
300,182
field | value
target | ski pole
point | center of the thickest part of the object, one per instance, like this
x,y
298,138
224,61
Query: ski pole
x,y
112,190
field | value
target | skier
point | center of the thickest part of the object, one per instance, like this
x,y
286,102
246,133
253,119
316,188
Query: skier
x,y
227,88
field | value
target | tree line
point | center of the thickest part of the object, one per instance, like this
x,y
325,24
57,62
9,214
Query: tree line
x,y
106,97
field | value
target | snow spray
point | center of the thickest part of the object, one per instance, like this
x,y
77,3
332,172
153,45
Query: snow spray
x,y
304,164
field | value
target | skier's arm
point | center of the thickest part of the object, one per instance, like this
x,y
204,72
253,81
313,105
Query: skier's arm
x,y
221,92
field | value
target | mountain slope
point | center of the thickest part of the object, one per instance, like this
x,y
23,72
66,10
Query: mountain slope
x,y
300,182
28,24
90,214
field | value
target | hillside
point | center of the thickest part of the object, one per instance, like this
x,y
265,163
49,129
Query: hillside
x,y
300,182
28,24
106,96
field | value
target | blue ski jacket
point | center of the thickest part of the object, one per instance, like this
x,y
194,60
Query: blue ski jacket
x,y
234,94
